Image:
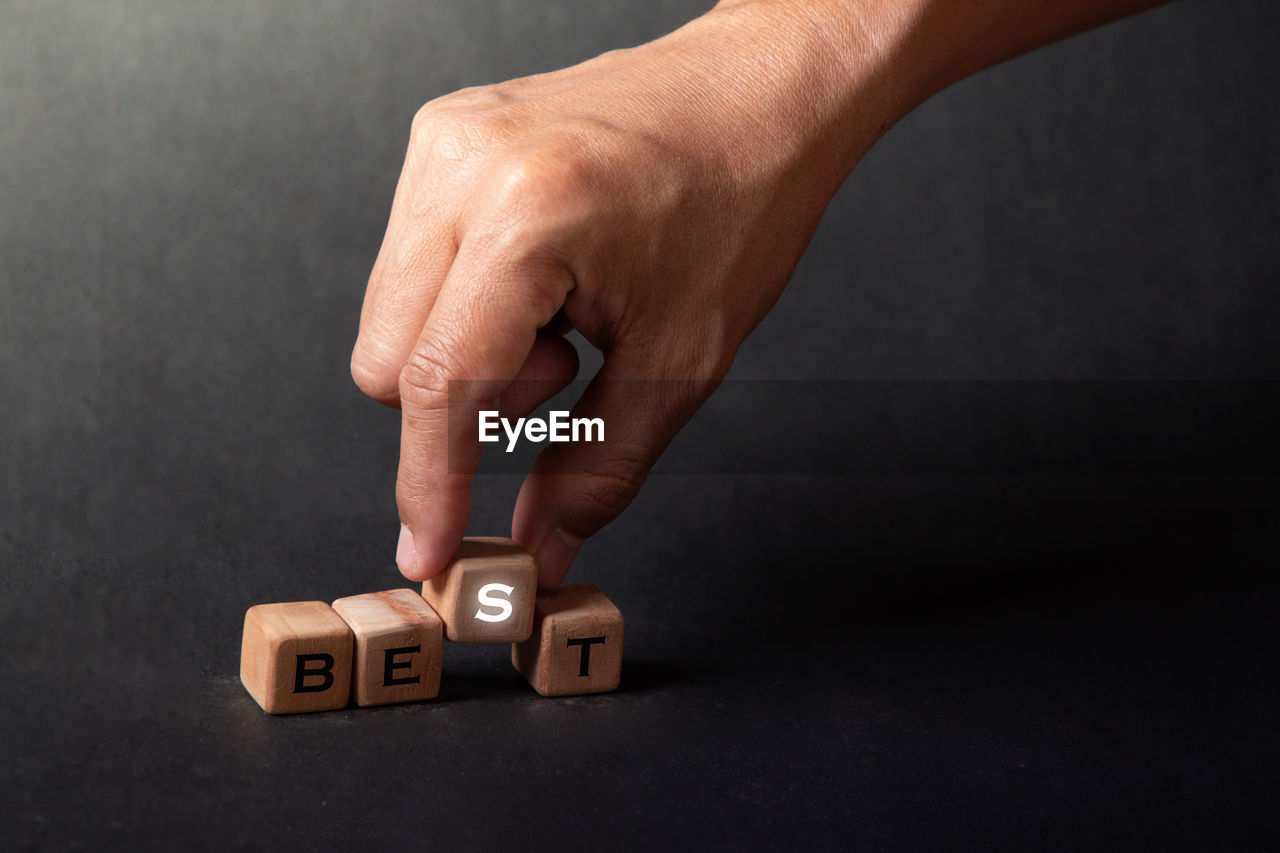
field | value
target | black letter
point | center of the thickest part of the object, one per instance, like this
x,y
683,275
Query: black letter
x,y
584,666
325,672
390,665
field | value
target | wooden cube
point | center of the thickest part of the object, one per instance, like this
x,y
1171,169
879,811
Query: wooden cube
x,y
296,657
399,639
486,594
576,644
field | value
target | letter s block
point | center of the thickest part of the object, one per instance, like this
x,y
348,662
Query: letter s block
x,y
398,646
296,657
576,645
486,593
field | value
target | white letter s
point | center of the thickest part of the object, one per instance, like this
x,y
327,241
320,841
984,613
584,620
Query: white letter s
x,y
487,599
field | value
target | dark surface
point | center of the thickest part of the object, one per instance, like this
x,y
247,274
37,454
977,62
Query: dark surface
x,y
1050,627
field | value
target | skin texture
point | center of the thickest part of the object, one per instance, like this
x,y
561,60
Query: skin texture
x,y
656,199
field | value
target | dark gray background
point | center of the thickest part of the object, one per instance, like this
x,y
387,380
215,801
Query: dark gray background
x,y
955,646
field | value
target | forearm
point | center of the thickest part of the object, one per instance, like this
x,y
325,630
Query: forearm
x,y
858,66
971,35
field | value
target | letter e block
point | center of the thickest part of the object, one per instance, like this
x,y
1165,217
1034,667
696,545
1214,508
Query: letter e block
x,y
576,645
399,640
296,657
486,594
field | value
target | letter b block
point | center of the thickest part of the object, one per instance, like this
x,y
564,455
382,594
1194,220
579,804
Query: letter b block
x,y
296,657
486,594
398,646
576,645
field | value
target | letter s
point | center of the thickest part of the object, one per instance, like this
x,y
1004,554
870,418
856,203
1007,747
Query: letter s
x,y
487,599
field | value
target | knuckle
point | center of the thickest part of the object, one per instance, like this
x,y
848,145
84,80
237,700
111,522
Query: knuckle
x,y
445,133
424,120
612,485
530,208
519,186
372,374
424,380
546,182
453,141
446,141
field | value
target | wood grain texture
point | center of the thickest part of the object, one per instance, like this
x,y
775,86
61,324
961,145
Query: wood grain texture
x,y
398,645
456,594
576,643
296,657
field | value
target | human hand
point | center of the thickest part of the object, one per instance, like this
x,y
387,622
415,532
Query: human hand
x,y
655,199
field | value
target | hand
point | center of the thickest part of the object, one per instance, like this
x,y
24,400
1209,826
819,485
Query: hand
x,y
655,199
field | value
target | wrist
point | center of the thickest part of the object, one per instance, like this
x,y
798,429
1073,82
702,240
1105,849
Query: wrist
x,y
843,71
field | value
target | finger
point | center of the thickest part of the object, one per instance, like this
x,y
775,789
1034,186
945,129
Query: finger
x,y
480,333
417,250
552,364
575,489
396,306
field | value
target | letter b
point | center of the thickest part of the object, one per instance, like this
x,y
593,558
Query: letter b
x,y
303,671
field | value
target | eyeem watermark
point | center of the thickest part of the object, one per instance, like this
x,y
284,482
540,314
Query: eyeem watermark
x,y
854,427
557,427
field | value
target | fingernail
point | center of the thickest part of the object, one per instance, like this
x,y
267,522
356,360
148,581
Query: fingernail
x,y
555,555
406,555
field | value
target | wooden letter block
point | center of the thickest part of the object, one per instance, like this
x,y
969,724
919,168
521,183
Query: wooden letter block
x,y
398,644
576,645
296,657
486,594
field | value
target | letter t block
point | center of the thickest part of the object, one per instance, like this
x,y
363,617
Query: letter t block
x,y
576,645
486,593
296,657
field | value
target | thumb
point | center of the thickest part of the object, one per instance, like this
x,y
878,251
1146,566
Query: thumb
x,y
574,489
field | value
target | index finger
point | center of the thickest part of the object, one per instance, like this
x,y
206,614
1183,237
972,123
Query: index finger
x,y
479,333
